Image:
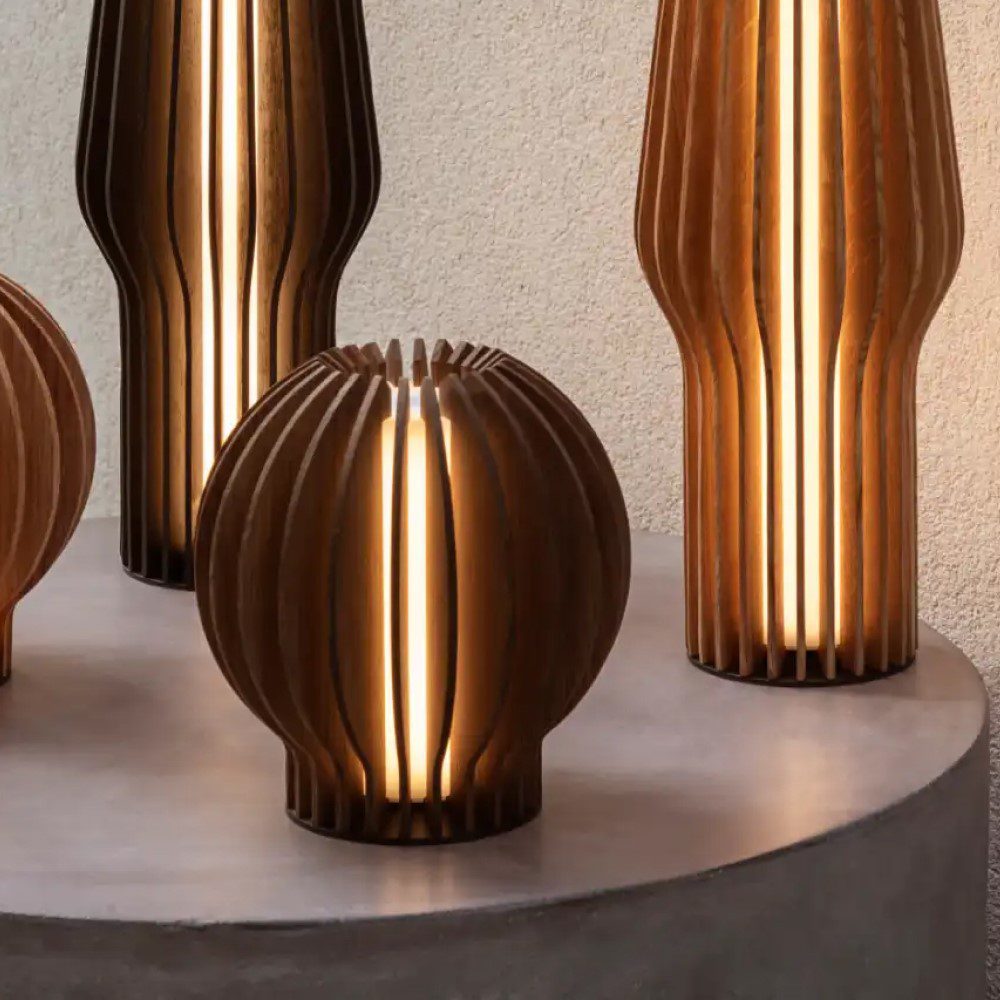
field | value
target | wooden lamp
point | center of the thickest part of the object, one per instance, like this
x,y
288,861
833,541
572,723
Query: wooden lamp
x,y
228,165
412,577
800,220
46,445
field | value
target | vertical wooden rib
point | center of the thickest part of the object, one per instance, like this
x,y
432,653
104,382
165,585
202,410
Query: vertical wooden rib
x,y
766,256
691,27
248,176
397,608
799,541
442,573
285,350
953,224
181,179
732,258
905,239
656,213
695,255
942,219
214,206
865,228
351,142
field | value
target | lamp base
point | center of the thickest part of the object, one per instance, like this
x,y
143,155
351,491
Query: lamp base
x,y
172,569
815,678
323,807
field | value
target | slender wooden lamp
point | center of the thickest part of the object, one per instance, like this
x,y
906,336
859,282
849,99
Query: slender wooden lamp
x,y
228,165
411,578
46,449
800,220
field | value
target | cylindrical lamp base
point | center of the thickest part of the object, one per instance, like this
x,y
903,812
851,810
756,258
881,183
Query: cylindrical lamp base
x,y
815,677
178,575
320,806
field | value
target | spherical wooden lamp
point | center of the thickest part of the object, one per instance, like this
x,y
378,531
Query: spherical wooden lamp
x,y
411,579
800,220
46,449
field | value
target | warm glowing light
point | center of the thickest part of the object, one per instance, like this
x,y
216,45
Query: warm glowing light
x,y
838,542
391,761
812,374
838,546
789,420
207,292
765,474
800,71
252,374
224,351
230,197
416,598
417,636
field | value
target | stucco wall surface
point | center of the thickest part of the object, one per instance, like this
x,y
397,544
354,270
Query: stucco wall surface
x,y
510,135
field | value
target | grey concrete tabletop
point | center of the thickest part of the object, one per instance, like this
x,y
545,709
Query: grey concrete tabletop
x,y
135,786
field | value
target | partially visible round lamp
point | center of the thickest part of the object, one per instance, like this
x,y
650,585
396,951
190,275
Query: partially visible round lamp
x,y
412,577
47,446
800,220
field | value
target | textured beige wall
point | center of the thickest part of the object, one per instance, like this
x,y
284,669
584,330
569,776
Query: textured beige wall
x,y
511,136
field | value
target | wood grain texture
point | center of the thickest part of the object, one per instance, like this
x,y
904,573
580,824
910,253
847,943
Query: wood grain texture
x,y
884,226
47,444
304,573
228,165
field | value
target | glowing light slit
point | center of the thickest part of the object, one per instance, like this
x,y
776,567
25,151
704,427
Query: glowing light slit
x,y
207,291
230,182
788,461
416,598
252,333
417,637
765,473
446,765
231,194
812,366
801,69
391,760
838,418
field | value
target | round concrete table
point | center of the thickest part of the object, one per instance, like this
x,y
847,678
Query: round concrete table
x,y
699,838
